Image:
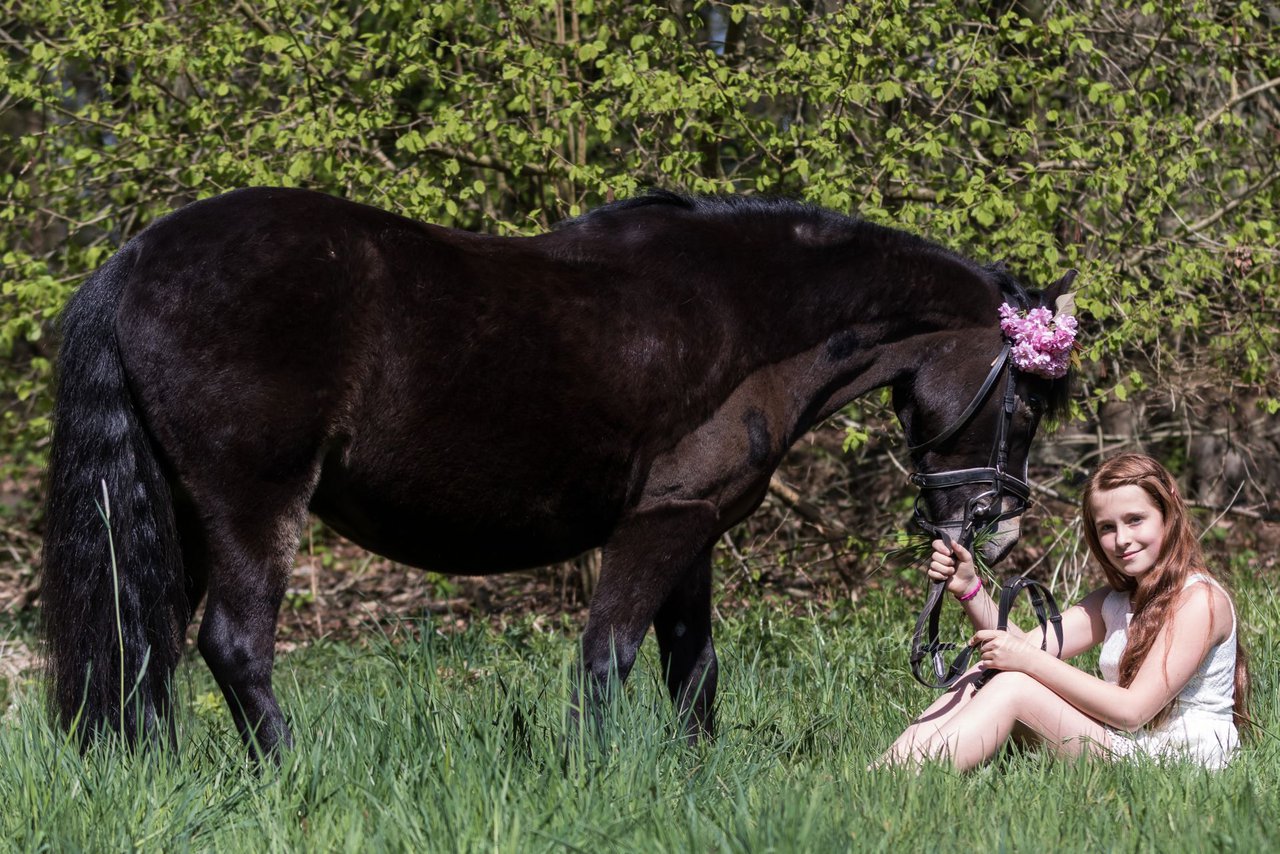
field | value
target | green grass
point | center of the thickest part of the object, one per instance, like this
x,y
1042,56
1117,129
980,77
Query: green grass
x,y
458,743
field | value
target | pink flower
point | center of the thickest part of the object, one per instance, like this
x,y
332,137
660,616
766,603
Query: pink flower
x,y
1041,342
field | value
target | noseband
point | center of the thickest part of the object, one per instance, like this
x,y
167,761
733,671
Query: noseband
x,y
980,513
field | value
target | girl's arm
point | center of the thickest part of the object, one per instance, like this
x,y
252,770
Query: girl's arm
x,y
1201,618
1082,626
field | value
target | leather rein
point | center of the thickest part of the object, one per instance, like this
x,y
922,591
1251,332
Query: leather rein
x,y
980,513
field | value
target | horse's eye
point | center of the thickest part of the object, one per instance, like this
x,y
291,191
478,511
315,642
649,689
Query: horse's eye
x,y
1036,403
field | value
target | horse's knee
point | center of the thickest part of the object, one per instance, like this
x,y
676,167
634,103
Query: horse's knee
x,y
708,660
606,655
618,662
707,674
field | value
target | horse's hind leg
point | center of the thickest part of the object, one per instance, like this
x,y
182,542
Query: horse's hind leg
x,y
250,562
683,628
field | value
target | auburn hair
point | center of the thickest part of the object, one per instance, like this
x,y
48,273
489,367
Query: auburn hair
x,y
1154,593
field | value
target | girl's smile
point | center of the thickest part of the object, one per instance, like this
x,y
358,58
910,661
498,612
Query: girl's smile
x,y
1130,528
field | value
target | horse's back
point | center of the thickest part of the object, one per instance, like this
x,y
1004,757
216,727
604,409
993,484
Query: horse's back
x,y
491,399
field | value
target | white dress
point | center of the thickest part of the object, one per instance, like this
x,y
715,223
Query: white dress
x,y
1200,727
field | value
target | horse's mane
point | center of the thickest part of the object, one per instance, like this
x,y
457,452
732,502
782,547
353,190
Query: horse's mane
x,y
820,221
1014,292
715,207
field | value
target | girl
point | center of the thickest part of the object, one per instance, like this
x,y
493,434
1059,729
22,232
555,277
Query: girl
x,y
1175,681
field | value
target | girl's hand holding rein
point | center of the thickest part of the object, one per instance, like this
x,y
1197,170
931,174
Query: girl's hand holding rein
x,y
954,566
1005,651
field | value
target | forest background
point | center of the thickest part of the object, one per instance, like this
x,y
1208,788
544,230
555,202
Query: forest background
x,y
1136,142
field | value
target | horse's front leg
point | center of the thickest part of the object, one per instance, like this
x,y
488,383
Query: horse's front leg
x,y
683,627
652,553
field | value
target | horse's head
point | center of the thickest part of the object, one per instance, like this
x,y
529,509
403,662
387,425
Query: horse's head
x,y
970,413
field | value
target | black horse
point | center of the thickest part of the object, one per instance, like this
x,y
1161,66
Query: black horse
x,y
472,404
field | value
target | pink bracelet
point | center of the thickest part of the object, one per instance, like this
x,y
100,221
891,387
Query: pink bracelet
x,y
974,592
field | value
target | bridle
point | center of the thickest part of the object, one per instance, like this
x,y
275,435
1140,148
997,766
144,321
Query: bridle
x,y
985,509
980,513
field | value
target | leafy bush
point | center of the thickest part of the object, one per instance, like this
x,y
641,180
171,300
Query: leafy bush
x,y
1136,142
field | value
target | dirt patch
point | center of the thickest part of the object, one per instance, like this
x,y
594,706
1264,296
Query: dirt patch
x,y
350,592
16,659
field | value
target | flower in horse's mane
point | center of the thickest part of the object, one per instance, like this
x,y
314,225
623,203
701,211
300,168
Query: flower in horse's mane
x,y
1041,341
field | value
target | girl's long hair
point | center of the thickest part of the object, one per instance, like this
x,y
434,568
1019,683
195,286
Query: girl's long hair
x,y
1154,593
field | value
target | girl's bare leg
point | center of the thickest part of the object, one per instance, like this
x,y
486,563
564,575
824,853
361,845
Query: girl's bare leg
x,y
1010,702
925,728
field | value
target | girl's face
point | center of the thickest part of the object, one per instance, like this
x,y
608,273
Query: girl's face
x,y
1130,527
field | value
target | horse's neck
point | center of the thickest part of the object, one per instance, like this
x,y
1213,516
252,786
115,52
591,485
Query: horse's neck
x,y
886,287
879,315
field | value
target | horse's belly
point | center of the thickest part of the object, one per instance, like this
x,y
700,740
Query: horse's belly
x,y
463,527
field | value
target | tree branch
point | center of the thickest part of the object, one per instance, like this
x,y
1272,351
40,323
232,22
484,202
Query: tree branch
x,y
811,514
484,161
1243,96
250,13
1236,202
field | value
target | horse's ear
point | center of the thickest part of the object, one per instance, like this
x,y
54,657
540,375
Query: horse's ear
x,y
1058,289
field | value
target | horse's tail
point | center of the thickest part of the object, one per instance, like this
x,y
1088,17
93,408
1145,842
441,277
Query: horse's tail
x,y
113,594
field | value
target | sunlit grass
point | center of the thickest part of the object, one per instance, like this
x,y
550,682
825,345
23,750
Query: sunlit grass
x,y
420,740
